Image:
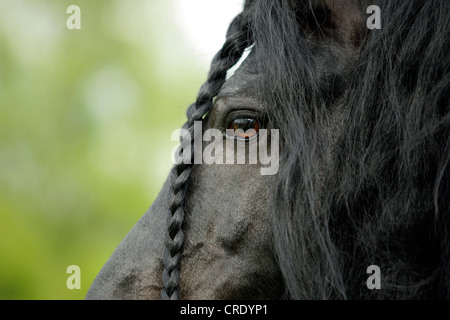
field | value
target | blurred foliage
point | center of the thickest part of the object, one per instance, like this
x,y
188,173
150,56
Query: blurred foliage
x,y
86,118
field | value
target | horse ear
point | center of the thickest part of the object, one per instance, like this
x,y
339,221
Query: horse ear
x,y
342,21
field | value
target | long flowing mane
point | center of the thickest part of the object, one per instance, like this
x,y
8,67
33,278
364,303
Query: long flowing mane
x,y
386,198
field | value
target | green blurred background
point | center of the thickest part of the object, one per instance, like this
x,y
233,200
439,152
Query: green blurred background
x,y
86,118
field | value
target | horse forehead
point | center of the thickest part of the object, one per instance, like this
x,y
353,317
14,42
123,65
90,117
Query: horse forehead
x,y
244,80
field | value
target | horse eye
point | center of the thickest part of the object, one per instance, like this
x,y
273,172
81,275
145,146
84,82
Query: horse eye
x,y
245,128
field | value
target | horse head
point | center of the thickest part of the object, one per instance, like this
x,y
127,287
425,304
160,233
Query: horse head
x,y
360,120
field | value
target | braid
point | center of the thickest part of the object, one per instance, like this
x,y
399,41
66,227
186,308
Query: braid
x,y
238,38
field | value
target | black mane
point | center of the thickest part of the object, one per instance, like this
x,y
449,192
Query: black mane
x,y
386,189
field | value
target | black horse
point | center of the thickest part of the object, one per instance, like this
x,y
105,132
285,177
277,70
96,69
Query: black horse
x,y
364,126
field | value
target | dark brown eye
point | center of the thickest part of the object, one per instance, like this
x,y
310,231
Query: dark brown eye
x,y
245,128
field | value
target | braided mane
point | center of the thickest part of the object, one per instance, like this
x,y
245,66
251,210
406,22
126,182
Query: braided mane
x,y
238,38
